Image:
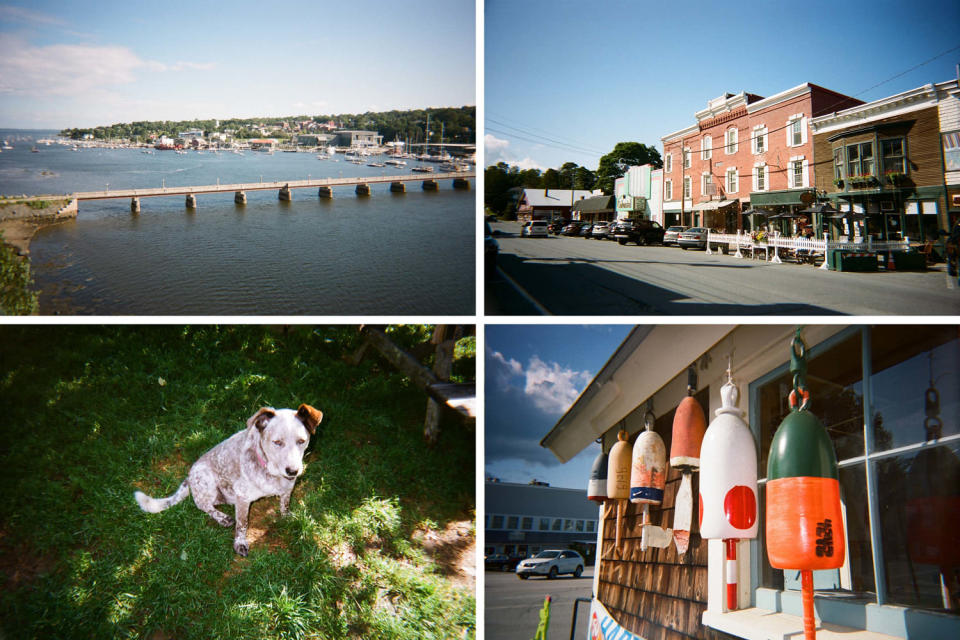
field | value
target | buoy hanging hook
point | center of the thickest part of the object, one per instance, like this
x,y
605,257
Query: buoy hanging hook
x,y
798,367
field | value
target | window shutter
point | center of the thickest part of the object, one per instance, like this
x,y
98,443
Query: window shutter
x,y
806,175
803,140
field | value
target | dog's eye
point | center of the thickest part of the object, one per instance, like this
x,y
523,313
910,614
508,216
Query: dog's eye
x,y
279,443
301,441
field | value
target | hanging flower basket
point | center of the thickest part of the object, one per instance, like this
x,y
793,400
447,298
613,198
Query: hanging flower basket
x,y
894,177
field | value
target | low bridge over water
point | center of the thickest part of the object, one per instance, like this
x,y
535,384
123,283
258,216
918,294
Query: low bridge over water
x,y
324,186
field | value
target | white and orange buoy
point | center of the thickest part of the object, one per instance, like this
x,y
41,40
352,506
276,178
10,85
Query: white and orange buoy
x,y
597,485
689,425
728,483
804,520
618,476
648,477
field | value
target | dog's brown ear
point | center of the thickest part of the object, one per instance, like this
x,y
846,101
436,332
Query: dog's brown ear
x,y
310,417
261,418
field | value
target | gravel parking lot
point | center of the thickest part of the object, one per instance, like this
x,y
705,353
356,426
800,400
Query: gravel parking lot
x,y
579,276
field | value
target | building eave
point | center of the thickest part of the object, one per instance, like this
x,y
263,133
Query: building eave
x,y
789,94
905,102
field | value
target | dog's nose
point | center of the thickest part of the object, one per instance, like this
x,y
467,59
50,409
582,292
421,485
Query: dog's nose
x,y
291,471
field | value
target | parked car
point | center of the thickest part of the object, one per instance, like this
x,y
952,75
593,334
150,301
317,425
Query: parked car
x,y
501,562
551,563
672,234
585,230
601,230
534,229
572,229
640,231
693,237
491,249
556,227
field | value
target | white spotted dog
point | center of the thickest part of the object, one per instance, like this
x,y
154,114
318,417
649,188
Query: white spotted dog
x,y
263,460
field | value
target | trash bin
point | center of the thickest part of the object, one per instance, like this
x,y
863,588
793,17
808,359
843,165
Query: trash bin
x,y
860,261
909,261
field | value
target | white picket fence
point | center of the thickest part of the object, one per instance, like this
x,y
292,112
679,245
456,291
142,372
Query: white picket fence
x,y
743,241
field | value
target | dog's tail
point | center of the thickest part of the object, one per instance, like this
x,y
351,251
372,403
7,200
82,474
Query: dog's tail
x,y
155,505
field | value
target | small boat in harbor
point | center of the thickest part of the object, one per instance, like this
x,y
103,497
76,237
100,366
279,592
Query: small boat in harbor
x,y
34,149
422,169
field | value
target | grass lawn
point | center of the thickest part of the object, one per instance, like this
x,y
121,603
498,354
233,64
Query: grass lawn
x,y
381,524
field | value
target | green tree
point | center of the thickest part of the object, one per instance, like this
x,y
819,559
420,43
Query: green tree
x,y
551,179
613,165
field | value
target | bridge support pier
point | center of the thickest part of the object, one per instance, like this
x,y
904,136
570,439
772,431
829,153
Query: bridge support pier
x,y
397,187
363,189
135,205
325,192
240,197
461,183
191,201
430,185
285,194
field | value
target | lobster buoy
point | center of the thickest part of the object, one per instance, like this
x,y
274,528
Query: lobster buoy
x,y
728,483
597,486
689,425
648,476
804,528
618,476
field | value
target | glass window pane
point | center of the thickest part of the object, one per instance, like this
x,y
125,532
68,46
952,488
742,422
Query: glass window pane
x,y
911,365
557,524
544,524
920,526
496,522
512,522
527,523
834,378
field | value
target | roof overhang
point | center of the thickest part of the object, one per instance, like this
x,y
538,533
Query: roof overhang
x,y
649,357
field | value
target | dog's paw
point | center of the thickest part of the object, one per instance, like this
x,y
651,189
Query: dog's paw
x,y
241,548
227,521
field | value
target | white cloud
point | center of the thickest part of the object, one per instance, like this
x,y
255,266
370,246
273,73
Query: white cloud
x,y
71,69
19,14
498,150
494,144
553,388
503,369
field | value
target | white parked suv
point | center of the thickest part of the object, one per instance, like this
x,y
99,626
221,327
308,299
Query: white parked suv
x,y
534,229
551,563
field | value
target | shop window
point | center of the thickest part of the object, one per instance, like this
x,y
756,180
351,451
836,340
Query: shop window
x,y
544,524
512,522
557,524
527,523
496,522
912,417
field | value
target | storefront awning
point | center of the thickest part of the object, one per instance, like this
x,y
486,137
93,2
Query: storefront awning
x,y
771,198
713,205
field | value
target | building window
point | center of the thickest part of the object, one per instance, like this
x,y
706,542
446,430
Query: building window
x,y
668,190
706,185
732,140
760,178
893,156
732,180
512,522
860,159
557,524
668,163
544,524
838,164
568,525
686,187
797,177
496,522
705,148
527,524
796,132
759,139
686,158
951,151
911,416
591,526
580,525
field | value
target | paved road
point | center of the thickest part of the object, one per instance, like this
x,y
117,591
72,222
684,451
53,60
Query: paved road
x,y
579,276
512,609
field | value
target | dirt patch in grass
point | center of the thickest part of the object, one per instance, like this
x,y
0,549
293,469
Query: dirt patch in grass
x,y
21,565
453,550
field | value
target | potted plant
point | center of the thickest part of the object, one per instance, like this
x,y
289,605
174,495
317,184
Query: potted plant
x,y
838,183
894,177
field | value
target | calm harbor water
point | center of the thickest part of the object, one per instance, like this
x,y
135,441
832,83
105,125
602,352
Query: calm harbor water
x,y
387,254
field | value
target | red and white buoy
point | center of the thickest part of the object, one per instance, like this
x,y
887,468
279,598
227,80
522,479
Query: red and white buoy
x,y
648,477
728,483
689,425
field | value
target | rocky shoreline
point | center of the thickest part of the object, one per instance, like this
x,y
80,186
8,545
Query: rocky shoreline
x,y
20,220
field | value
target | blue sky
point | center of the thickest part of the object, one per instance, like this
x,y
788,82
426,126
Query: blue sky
x,y
589,75
82,63
533,373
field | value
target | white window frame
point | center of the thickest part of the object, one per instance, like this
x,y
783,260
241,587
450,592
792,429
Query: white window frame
x,y
791,140
706,144
804,172
728,147
705,181
756,177
668,163
686,157
668,190
687,187
759,135
733,180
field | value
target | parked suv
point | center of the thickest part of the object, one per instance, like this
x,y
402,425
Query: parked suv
x,y
600,230
639,231
534,229
551,563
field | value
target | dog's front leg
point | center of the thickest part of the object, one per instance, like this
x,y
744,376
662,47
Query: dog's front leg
x,y
240,538
285,502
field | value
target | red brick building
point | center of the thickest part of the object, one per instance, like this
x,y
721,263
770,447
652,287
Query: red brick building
x,y
745,151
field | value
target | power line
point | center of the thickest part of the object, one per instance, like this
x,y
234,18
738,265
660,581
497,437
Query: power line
x,y
520,126
561,146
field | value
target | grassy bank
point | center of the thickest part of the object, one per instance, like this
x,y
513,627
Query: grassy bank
x,y
16,295
94,412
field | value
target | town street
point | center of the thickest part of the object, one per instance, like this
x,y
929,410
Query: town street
x,y
512,608
578,276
